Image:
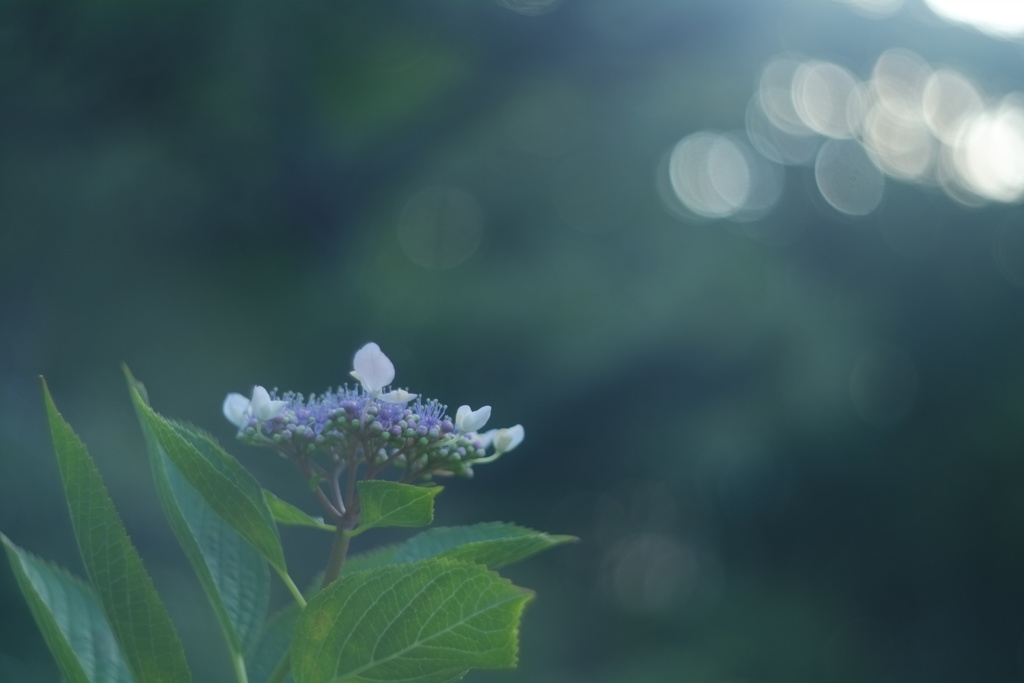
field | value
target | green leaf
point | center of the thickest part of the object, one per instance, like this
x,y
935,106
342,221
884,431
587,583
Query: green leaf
x,y
388,503
378,557
223,483
426,622
137,617
232,573
70,618
286,513
492,544
272,647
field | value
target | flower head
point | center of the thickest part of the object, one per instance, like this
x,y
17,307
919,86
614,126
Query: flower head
x,y
468,420
370,425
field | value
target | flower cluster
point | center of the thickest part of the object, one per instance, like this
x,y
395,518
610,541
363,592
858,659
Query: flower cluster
x,y
367,426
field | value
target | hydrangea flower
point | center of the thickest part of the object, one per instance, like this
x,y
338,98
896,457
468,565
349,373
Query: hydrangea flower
x,y
239,410
373,369
236,409
507,439
469,420
366,426
503,440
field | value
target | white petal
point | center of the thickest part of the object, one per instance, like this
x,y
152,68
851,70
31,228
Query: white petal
x,y
276,409
487,438
236,409
373,369
507,439
397,396
262,407
468,420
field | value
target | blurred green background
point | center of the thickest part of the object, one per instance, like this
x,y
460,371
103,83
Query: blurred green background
x,y
785,421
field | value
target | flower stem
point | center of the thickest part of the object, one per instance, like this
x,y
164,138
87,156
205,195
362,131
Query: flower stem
x,y
343,533
339,550
293,589
333,513
238,662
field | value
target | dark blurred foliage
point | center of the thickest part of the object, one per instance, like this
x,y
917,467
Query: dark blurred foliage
x,y
215,194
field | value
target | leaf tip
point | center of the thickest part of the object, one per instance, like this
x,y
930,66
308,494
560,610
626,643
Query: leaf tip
x,y
51,407
136,388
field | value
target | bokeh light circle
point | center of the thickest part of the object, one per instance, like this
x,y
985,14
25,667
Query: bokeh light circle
x,y
847,178
709,174
775,95
989,152
1002,18
716,175
898,81
820,94
949,99
899,146
916,124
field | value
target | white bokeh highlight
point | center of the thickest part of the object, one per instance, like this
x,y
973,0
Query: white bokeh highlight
x,y
821,92
1000,18
847,178
718,175
907,121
